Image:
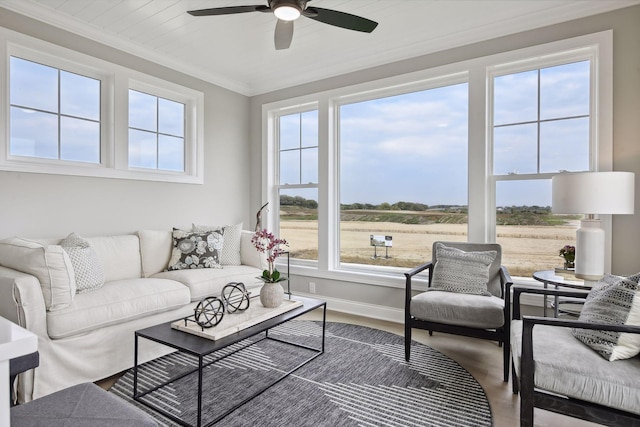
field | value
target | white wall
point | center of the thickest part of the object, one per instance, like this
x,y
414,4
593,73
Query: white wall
x,y
626,127
39,205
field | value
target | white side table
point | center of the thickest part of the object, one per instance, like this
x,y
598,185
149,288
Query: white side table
x,y
14,342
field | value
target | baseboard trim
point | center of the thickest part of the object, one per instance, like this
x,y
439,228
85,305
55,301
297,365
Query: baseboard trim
x,y
374,311
390,314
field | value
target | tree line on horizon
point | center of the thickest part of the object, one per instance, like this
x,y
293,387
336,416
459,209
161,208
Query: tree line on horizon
x,y
299,201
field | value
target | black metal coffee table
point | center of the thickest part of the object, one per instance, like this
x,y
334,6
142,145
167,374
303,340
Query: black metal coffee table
x,y
202,347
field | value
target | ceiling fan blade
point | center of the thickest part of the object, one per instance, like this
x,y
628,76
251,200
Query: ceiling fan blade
x,y
229,10
341,19
283,34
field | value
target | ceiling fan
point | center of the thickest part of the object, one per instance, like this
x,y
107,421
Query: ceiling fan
x,y
288,11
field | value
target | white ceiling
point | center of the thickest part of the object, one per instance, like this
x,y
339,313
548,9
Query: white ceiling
x,y
237,52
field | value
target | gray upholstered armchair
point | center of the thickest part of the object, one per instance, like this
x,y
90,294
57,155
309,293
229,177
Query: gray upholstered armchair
x,y
465,296
553,370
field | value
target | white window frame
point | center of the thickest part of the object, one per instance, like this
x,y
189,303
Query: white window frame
x,y
115,82
481,199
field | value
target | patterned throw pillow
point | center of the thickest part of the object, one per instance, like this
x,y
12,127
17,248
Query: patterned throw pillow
x,y
231,247
613,300
460,271
199,249
88,268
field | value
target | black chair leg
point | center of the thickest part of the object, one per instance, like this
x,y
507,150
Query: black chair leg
x,y
407,342
514,380
506,358
430,333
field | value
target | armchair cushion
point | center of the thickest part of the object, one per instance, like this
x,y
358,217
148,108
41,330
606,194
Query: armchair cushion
x,y
565,366
459,309
458,271
613,300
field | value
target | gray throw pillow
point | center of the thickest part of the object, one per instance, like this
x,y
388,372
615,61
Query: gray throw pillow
x,y
88,269
463,272
231,246
199,249
612,300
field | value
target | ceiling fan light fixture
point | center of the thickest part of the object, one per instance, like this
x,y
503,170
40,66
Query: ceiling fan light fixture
x,y
286,10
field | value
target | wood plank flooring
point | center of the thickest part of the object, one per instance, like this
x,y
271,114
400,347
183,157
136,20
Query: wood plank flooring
x,y
483,359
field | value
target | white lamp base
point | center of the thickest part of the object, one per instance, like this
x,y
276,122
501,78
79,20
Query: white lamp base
x,y
590,250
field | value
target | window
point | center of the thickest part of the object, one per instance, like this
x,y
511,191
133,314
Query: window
x,y
54,114
72,114
156,132
298,183
541,126
403,175
461,152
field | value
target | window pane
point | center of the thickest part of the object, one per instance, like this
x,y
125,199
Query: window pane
x,y
33,85
515,98
290,131
309,124
170,117
290,167
309,165
515,149
79,140
299,222
33,134
530,235
403,174
564,90
142,149
79,96
143,111
564,145
170,153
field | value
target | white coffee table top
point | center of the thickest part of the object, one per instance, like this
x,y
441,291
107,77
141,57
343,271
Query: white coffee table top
x,y
14,342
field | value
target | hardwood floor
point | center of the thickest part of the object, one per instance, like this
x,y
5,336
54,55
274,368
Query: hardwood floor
x,y
483,359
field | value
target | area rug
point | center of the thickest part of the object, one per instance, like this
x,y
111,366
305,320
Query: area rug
x,y
362,379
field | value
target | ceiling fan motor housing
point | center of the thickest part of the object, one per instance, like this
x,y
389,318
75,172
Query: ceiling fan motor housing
x,y
287,10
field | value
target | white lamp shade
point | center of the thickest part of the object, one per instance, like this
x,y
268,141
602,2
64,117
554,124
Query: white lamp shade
x,y
593,193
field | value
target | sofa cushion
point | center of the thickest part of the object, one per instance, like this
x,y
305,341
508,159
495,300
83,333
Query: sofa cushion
x,y
231,245
50,264
612,300
566,366
249,254
198,249
120,256
87,267
454,308
116,302
155,249
204,282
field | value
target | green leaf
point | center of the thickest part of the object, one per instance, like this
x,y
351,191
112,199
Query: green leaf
x,y
266,275
275,276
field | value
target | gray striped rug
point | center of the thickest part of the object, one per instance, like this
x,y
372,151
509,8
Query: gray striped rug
x,y
361,380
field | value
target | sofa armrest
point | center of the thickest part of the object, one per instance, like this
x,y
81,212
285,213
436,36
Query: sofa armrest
x,y
21,300
249,255
518,290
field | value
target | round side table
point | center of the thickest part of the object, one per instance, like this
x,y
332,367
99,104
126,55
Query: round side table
x,y
550,277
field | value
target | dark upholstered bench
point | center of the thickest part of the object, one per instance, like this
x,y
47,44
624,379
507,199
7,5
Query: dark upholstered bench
x,y
81,405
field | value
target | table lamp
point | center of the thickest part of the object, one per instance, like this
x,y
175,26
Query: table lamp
x,y
592,193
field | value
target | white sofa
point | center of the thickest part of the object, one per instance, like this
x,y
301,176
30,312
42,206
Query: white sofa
x,y
89,336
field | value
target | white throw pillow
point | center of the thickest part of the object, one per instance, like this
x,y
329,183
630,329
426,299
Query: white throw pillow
x,y
231,247
460,271
50,264
612,300
88,268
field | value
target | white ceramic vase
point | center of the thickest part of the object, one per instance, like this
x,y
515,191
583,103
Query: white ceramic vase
x,y
271,295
